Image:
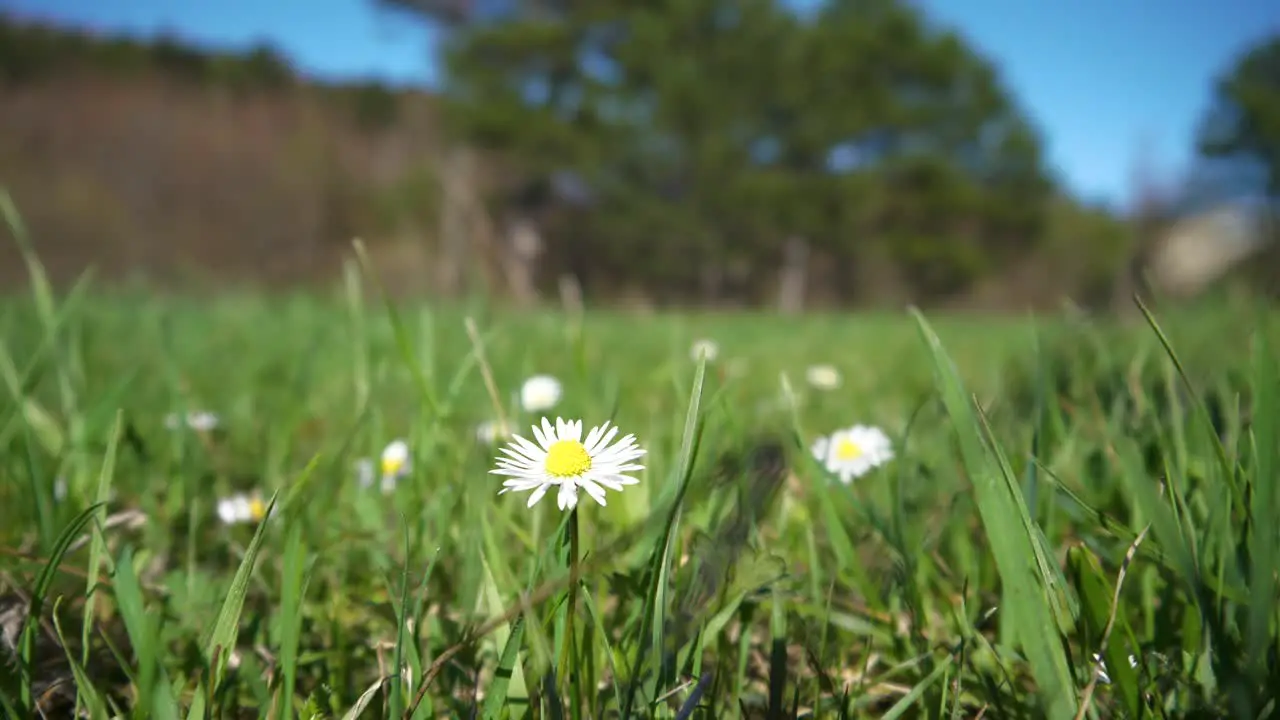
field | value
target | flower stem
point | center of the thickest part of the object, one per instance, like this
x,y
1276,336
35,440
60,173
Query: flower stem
x,y
569,657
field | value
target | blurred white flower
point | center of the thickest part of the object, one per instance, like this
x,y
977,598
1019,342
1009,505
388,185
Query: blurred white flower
x,y
490,431
394,464
203,421
241,508
561,458
704,348
60,489
365,472
823,377
853,452
539,393
200,420
1102,667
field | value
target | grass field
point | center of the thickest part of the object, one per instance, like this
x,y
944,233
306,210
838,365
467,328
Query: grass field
x,y
974,575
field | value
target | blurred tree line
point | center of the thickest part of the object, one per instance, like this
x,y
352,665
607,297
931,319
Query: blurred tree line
x,y
699,139
32,53
686,144
694,151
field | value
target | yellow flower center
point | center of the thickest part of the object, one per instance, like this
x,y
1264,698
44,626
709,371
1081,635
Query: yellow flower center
x,y
391,466
257,509
567,458
847,449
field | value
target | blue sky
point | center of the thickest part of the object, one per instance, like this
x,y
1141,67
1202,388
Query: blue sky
x,y
1105,80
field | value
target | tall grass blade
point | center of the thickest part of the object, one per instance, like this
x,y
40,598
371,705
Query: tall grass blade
x,y
654,613
221,639
496,696
151,680
98,542
1014,544
1264,509
296,568
26,642
87,697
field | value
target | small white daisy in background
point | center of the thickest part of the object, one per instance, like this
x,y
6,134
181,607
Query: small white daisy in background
x,y
539,393
241,508
562,458
491,431
60,489
853,452
394,464
201,421
822,377
704,348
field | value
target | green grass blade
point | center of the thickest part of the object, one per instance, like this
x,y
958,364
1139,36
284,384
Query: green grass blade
x,y
654,612
1264,547
44,580
1006,521
87,697
98,542
296,568
496,696
221,637
395,691
150,678
916,693
362,703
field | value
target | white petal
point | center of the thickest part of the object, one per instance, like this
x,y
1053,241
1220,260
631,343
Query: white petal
x,y
601,443
611,480
595,491
819,448
521,484
549,433
539,437
594,436
525,444
567,498
537,494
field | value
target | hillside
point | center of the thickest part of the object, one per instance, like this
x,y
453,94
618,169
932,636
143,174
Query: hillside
x,y
159,160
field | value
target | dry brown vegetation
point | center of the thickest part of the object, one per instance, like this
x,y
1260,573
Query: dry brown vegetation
x,y
176,182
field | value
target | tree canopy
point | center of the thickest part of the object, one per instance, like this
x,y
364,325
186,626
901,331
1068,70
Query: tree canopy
x,y
1242,126
708,132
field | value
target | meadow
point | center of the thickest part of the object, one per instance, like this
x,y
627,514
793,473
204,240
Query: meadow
x,y
1064,493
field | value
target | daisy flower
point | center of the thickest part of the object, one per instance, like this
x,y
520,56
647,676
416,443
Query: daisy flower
x,y
853,452
394,464
490,431
539,393
562,458
200,421
241,508
823,377
704,348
